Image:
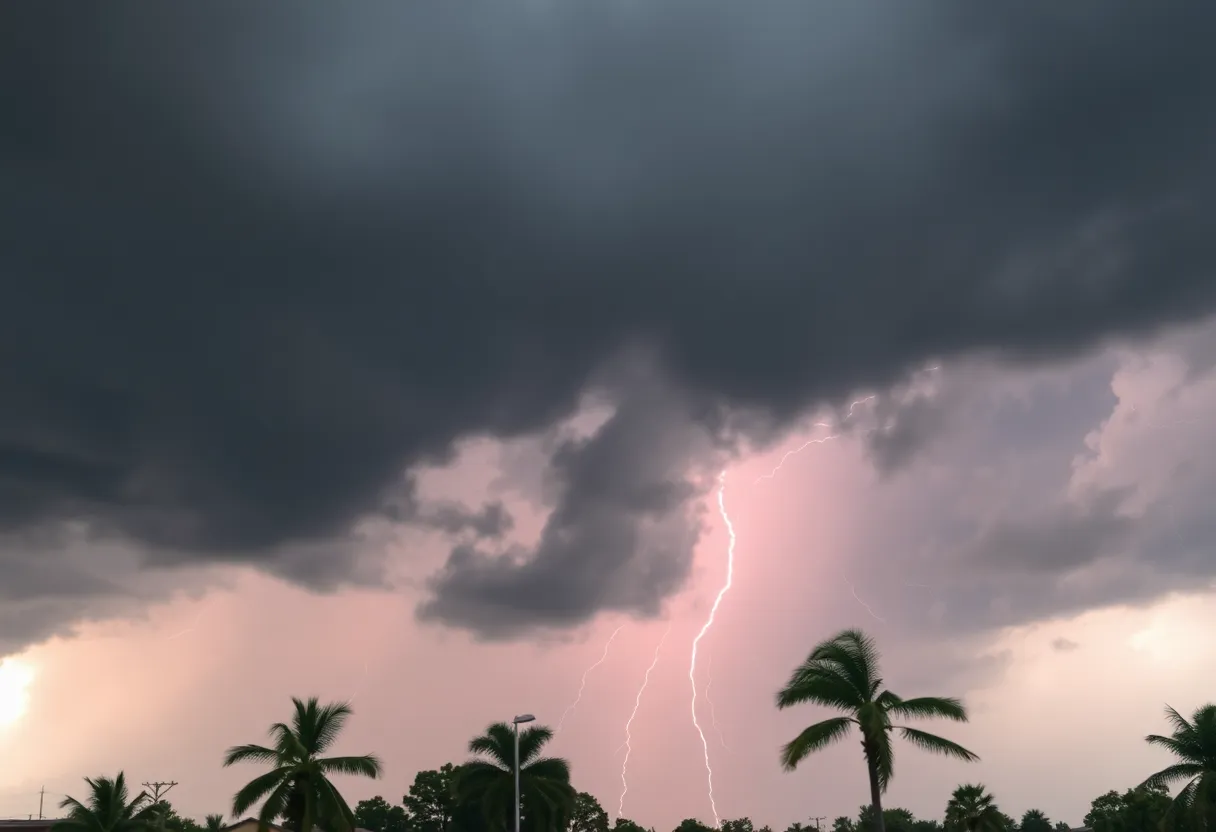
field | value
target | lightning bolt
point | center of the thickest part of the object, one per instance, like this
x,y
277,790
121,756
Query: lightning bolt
x,y
709,622
189,629
620,809
856,598
583,685
808,443
362,685
713,712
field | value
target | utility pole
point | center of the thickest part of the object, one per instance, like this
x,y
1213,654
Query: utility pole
x,y
159,790
41,795
817,819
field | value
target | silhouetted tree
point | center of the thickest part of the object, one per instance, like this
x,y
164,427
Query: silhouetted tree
x,y
1034,820
431,800
894,820
843,674
1193,743
546,796
378,815
627,825
1142,809
589,815
971,808
108,808
298,785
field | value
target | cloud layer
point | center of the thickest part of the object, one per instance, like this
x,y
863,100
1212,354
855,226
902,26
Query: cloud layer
x,y
264,264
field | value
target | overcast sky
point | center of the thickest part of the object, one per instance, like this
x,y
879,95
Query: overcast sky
x,y
393,352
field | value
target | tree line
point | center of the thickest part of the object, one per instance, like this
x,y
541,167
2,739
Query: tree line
x,y
478,795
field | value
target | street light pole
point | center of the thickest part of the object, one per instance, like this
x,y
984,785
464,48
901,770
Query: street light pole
x,y
519,720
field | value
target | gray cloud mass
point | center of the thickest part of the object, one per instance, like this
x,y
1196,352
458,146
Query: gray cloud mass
x,y
260,261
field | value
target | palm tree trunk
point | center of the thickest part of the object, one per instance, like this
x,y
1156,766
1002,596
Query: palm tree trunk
x,y
875,795
307,821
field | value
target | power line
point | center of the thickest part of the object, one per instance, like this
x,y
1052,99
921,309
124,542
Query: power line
x,y
9,801
159,790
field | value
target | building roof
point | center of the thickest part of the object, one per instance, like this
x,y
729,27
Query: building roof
x,y
273,827
27,825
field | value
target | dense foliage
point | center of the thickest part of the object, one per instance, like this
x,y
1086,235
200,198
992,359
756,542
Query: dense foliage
x,y
477,795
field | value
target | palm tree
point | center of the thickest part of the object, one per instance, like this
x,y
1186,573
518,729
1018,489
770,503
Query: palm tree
x,y
546,796
971,809
108,809
842,673
213,823
1194,744
298,785
1035,820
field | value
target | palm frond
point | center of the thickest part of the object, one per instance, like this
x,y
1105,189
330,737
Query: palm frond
x,y
73,806
531,741
304,721
553,769
856,655
259,787
928,707
474,777
1180,748
330,721
286,744
274,806
1182,728
366,766
1204,720
332,810
1181,808
820,735
884,756
1172,774
818,682
79,819
938,745
497,743
250,754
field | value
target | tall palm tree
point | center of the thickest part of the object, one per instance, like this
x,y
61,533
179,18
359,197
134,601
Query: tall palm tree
x,y
213,823
546,796
298,785
108,809
842,673
1193,742
972,809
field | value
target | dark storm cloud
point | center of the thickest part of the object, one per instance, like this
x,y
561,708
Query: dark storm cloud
x,y
259,260
1067,536
403,505
620,537
490,521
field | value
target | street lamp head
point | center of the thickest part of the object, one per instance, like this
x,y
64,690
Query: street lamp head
x,y
522,718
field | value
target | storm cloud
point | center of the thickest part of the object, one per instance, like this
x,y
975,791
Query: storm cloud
x,y
259,262
620,537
